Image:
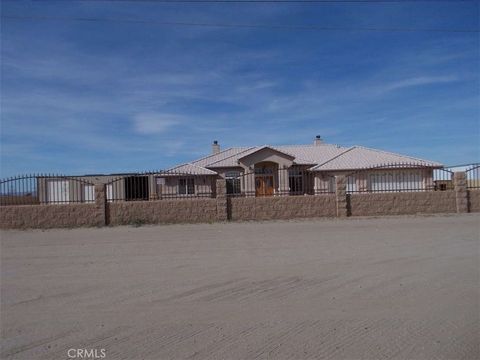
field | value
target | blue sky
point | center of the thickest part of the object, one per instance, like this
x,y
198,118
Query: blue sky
x,y
113,96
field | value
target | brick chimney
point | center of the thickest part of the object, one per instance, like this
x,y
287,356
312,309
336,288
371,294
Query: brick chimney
x,y
215,147
318,140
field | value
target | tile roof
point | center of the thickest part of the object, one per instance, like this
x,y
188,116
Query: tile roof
x,y
323,157
192,169
358,157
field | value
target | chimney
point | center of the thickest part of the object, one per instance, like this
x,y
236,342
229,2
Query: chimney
x,y
318,140
215,147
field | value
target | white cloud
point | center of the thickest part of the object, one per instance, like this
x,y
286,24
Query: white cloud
x,y
154,123
419,81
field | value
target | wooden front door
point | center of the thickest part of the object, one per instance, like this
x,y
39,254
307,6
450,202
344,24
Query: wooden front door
x,y
263,185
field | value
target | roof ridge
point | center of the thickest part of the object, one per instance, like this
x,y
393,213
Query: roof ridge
x,y
207,156
311,145
335,157
258,148
228,157
396,154
194,165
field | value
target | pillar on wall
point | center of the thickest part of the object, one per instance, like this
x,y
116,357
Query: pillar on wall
x,y
460,186
100,205
222,201
341,195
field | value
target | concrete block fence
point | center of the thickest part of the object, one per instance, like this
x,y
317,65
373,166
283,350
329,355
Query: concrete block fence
x,y
222,208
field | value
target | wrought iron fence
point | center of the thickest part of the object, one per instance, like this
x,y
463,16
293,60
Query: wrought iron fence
x,y
401,177
473,176
158,185
45,189
261,182
268,181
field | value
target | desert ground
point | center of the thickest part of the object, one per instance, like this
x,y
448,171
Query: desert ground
x,y
390,288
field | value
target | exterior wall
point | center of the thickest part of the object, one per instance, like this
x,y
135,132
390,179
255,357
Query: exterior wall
x,y
324,183
49,216
376,204
362,179
474,200
161,211
204,185
76,188
287,207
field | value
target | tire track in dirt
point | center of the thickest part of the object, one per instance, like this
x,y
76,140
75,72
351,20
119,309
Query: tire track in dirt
x,y
152,341
44,341
277,339
197,290
212,350
79,343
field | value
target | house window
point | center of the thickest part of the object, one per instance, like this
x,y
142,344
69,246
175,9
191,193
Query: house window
x,y
295,181
186,186
233,182
400,181
351,184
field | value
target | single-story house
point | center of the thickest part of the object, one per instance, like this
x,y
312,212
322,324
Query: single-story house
x,y
297,169
259,171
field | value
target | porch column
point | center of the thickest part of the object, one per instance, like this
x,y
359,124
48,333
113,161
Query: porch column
x,y
283,183
248,184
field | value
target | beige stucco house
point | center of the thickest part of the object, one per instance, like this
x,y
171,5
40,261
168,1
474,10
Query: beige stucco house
x,y
257,171
300,169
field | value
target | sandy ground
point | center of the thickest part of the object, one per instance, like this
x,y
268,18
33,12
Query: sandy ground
x,y
393,288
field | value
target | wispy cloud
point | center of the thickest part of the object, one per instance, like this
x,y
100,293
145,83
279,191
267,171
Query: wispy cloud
x,y
154,123
419,81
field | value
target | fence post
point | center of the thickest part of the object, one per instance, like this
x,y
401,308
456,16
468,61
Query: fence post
x,y
341,195
460,186
100,205
221,186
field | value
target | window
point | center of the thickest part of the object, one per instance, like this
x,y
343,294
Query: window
x,y
89,193
264,170
351,184
233,182
109,192
186,186
295,181
58,191
399,181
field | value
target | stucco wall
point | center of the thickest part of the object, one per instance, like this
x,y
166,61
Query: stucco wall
x,y
50,216
162,211
402,203
287,207
474,200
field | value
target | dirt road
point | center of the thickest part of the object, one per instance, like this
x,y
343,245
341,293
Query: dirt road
x,y
395,288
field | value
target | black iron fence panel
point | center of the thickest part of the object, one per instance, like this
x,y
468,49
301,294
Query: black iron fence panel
x,y
261,182
45,189
267,181
158,185
402,177
472,173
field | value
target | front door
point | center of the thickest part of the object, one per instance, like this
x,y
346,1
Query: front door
x,y
263,185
